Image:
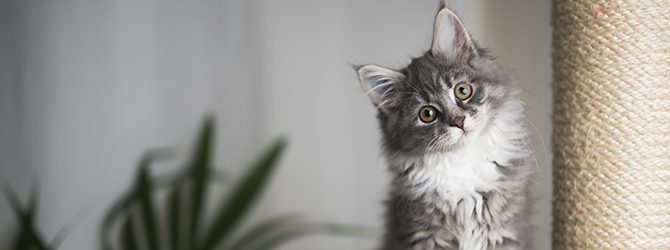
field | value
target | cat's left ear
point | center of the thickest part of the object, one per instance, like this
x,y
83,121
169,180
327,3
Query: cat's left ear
x,y
378,82
450,39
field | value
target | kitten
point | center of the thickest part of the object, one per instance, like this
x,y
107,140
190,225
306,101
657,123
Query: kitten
x,y
452,134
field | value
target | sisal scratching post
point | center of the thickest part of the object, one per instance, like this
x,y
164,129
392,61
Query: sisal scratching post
x,y
611,137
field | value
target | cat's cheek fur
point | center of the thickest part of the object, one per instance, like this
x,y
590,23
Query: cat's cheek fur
x,y
477,123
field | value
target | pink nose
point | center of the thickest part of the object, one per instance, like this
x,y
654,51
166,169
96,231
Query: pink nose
x,y
458,122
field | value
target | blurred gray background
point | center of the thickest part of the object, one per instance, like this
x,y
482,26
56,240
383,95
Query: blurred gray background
x,y
87,86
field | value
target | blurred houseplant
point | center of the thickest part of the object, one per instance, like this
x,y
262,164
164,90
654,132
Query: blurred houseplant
x,y
182,223
27,237
139,220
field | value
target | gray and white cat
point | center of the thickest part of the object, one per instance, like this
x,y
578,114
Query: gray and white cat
x,y
452,133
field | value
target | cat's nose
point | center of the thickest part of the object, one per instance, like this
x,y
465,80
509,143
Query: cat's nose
x,y
458,122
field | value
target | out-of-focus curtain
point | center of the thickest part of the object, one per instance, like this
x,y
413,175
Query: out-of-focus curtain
x,y
87,86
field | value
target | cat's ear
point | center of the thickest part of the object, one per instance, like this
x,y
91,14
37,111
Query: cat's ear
x,y
450,39
378,82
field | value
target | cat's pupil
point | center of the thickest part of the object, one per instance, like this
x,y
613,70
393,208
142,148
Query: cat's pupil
x,y
428,113
463,90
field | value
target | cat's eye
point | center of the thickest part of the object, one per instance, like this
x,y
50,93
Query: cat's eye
x,y
427,114
462,91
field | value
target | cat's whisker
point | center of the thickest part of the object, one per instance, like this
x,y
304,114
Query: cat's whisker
x,y
416,89
546,155
529,145
382,104
539,105
429,148
536,168
438,146
385,92
445,146
394,155
407,93
381,85
536,182
388,100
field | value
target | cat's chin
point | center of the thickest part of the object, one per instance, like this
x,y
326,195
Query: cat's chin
x,y
459,135
461,138
457,140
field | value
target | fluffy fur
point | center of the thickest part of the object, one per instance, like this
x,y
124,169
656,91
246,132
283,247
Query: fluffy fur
x,y
454,187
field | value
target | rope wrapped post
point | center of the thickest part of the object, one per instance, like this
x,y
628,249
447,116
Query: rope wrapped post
x,y
611,134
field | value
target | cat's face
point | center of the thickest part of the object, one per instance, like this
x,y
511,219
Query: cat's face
x,y
442,100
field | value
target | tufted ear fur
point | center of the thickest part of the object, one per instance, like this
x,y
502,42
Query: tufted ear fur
x,y
378,82
450,39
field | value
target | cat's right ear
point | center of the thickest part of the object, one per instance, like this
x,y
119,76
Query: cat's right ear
x,y
378,82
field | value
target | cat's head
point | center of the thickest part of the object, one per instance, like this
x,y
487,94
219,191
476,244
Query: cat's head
x,y
443,100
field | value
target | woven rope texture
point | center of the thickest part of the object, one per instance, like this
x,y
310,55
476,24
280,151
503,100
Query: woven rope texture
x,y
611,137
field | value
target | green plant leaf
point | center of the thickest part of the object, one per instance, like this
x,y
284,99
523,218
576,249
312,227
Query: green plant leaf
x,y
27,237
23,238
33,198
263,230
147,207
173,213
122,204
236,204
119,206
202,155
66,229
303,230
128,241
13,201
36,240
218,176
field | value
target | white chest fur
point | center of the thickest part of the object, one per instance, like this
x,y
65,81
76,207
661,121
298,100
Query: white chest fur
x,y
460,178
458,175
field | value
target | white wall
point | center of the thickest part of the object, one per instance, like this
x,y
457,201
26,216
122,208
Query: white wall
x,y
87,86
